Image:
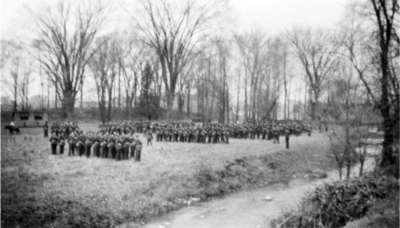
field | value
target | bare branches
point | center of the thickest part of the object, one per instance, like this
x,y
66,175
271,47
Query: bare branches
x,y
317,55
173,33
66,35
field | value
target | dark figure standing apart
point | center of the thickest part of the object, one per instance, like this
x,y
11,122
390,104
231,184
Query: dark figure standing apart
x,y
46,130
287,138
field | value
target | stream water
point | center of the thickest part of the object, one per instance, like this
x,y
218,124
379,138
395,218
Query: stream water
x,y
245,209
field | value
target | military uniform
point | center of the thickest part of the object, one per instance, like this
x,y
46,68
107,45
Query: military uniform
x,y
71,145
118,148
61,145
88,146
81,146
138,150
96,148
46,130
287,138
53,142
103,148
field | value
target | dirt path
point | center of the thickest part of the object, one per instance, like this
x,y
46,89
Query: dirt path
x,y
244,209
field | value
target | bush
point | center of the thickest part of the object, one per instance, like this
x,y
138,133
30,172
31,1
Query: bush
x,y
335,204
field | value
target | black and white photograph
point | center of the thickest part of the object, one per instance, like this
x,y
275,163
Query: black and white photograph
x,y
200,113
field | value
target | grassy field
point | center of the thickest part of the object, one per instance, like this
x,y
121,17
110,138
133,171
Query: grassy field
x,y
43,190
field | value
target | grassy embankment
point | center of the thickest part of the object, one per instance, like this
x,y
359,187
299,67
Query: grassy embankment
x,y
42,190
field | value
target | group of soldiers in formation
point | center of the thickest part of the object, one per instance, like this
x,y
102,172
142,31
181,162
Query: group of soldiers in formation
x,y
184,131
119,140
96,144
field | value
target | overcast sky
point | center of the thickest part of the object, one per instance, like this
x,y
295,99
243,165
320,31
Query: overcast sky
x,y
272,16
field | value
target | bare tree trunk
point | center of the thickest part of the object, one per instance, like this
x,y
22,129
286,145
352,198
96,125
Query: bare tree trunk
x,y
288,102
305,99
285,101
81,85
15,95
181,102
119,88
68,103
110,99
227,107
237,97
48,94
188,110
245,98
200,98
253,108
340,169
56,97
362,158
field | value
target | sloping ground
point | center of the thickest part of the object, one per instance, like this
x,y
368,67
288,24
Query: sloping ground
x,y
40,190
246,209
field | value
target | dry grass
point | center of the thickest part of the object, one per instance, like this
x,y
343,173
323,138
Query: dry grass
x,y
39,189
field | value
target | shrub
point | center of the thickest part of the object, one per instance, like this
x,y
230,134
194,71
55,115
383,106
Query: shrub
x,y
335,204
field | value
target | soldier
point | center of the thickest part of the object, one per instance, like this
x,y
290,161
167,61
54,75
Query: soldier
x,y
62,144
214,136
226,136
46,129
264,133
158,134
149,138
88,146
103,148
287,138
132,147
138,150
111,148
118,148
71,145
125,146
81,146
209,136
273,135
96,148
53,142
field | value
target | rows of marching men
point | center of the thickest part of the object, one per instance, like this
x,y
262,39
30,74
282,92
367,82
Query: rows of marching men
x,y
118,140
74,142
185,131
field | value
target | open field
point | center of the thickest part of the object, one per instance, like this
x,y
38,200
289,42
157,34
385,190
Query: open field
x,y
42,190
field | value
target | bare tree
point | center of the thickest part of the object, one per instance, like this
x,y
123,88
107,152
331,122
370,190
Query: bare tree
x,y
373,52
15,73
19,66
173,33
347,109
130,64
252,47
222,88
66,36
317,56
24,86
239,73
385,13
104,65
